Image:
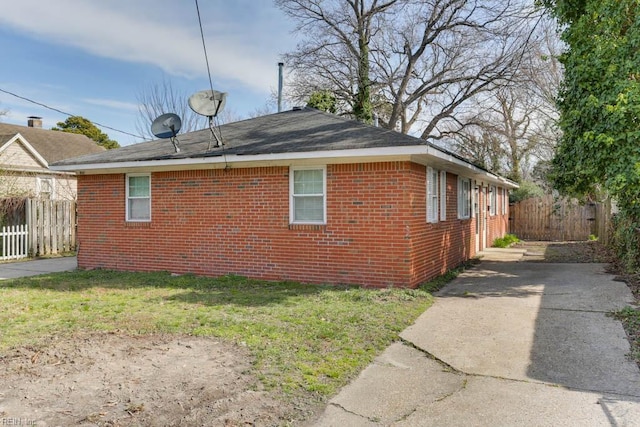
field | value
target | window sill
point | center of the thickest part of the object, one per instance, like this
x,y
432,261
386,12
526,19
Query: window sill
x,y
307,227
137,224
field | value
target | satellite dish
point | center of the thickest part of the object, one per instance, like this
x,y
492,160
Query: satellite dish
x,y
166,126
208,102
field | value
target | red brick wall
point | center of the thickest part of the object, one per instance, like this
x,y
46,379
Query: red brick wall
x,y
438,247
236,221
498,224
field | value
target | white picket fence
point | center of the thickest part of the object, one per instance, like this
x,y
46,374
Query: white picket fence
x,y
14,242
50,228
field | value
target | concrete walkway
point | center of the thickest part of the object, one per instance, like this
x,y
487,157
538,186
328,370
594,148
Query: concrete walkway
x,y
505,344
14,270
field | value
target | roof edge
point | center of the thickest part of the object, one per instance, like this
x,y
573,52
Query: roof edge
x,y
28,146
419,153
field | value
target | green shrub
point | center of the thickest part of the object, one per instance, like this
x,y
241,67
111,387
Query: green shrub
x,y
506,241
625,241
527,190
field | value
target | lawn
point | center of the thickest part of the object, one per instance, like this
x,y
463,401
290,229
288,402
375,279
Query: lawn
x,y
306,339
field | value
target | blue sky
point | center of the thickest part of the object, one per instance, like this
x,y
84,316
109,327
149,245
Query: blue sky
x,y
93,58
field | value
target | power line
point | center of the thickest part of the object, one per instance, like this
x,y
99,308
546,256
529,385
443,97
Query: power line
x,y
68,114
214,119
204,47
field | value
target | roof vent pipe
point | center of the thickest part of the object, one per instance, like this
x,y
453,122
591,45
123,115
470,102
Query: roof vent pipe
x,y
375,119
280,67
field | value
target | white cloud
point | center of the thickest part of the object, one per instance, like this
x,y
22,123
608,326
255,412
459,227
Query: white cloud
x,y
110,103
163,33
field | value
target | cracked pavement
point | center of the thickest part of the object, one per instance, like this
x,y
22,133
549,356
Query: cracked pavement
x,y
505,344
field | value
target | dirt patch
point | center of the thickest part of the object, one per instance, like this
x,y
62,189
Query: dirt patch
x,y
115,380
631,279
561,252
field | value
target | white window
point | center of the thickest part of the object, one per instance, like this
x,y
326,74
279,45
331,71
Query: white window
x,y
443,195
45,187
139,197
432,195
307,195
505,201
464,198
493,200
474,197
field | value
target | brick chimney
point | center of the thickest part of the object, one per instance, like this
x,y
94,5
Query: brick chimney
x,y
34,122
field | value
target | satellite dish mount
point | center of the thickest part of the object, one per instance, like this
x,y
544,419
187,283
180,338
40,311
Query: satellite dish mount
x,y
209,103
167,126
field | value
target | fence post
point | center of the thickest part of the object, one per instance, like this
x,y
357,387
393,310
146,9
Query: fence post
x,y
32,226
73,238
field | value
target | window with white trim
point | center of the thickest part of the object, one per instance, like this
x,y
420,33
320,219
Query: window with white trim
x,y
307,188
432,195
139,197
45,188
505,200
443,195
473,198
464,198
493,200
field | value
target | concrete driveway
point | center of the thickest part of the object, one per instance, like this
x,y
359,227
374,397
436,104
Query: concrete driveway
x,y
505,344
14,270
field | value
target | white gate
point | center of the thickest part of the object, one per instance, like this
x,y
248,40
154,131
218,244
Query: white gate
x,y
14,242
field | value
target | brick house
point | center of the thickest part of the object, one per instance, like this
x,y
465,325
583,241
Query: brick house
x,y
299,195
25,155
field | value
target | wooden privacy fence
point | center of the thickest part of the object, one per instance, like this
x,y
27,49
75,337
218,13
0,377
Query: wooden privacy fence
x,y
548,218
602,225
14,242
52,226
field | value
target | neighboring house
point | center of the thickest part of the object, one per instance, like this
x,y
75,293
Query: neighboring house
x,y
299,195
25,155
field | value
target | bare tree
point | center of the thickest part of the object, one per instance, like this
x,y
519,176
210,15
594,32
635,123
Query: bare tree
x,y
4,112
336,52
503,133
446,53
160,98
512,128
420,61
481,148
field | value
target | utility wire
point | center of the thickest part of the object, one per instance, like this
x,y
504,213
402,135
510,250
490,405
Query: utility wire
x,y
204,47
212,120
68,114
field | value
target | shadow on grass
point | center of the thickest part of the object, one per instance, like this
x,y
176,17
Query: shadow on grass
x,y
224,290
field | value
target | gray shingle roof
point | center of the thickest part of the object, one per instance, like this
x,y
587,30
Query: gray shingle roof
x,y
52,145
302,130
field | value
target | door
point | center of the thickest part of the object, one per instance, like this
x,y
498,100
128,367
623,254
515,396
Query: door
x,y
480,211
484,213
476,214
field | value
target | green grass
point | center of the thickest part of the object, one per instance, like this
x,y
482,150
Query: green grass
x,y
506,241
305,338
440,281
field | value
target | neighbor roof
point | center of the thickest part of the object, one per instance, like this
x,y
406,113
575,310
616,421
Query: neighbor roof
x,y
297,134
52,145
